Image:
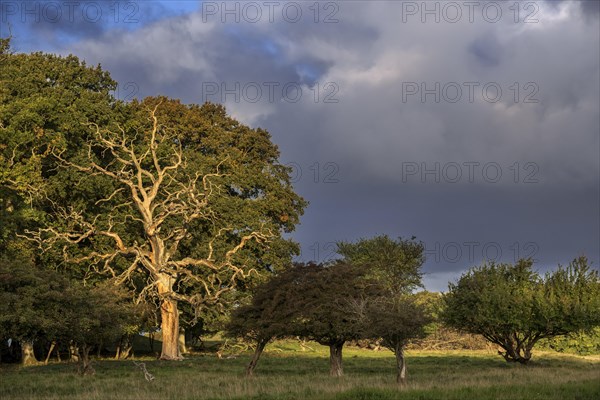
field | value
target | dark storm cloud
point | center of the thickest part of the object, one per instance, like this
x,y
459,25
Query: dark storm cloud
x,y
487,51
589,7
374,156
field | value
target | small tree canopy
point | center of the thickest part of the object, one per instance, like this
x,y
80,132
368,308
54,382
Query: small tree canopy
x,y
396,320
272,308
396,264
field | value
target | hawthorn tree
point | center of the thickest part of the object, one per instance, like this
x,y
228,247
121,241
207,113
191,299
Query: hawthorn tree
x,y
311,301
41,304
396,320
94,316
180,201
27,303
513,307
393,314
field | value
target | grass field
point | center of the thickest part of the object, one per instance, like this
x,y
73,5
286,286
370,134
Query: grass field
x,y
287,372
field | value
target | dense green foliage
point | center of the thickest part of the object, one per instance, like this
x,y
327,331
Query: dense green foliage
x,y
272,308
365,295
392,313
41,304
513,307
580,342
396,264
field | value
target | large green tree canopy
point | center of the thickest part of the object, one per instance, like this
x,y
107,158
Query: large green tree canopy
x,y
44,100
181,202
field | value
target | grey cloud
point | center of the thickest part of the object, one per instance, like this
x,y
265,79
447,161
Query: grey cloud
x,y
372,132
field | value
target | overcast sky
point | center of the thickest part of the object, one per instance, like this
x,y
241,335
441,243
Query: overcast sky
x,y
474,126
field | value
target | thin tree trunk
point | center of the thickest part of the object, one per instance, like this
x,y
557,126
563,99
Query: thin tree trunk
x,y
74,352
190,339
124,348
27,354
170,330
151,340
524,359
118,352
86,365
181,341
335,359
260,346
52,346
400,365
100,349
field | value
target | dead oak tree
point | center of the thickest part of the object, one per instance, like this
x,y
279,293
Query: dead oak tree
x,y
196,203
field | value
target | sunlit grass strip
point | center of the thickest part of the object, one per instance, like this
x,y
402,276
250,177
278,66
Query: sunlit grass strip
x,y
287,373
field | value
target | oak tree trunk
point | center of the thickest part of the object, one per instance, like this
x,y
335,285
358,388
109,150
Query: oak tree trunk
x,y
170,330
335,359
400,365
27,354
260,346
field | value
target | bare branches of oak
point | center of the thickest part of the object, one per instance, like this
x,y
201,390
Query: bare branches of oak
x,y
155,192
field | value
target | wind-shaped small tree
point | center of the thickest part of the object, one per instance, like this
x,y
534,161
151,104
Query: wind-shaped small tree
x,y
271,312
324,299
310,300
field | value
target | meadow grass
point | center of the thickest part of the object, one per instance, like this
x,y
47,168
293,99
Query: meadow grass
x,y
287,372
